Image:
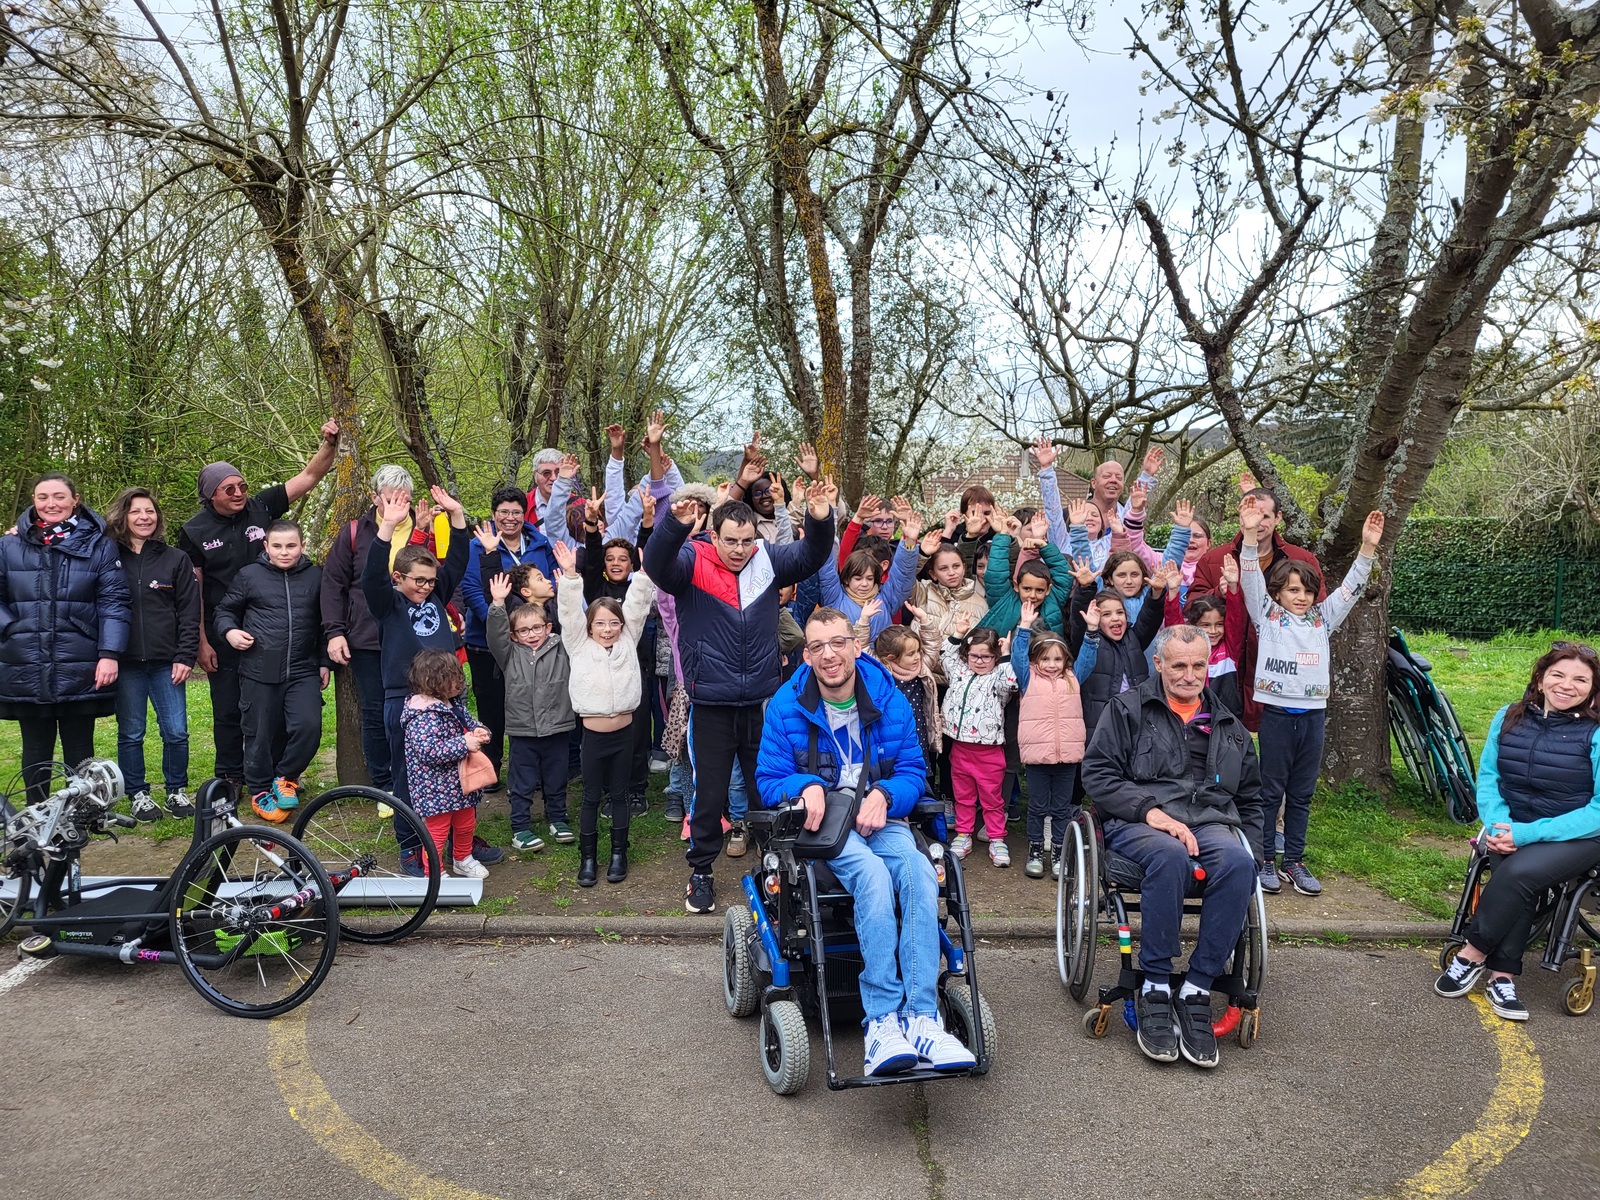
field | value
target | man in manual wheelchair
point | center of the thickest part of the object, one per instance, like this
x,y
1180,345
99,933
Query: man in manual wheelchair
x,y
841,774
1174,780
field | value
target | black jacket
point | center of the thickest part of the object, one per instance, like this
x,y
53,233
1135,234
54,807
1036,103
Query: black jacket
x,y
1137,760
166,605
1113,661
62,608
223,546
282,611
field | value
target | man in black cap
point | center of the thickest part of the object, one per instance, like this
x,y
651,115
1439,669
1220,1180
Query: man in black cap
x,y
222,537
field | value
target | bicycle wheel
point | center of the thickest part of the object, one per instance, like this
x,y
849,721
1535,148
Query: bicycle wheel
x,y
16,883
1410,738
362,829
251,922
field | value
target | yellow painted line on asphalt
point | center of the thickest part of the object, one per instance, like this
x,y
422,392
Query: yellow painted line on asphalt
x,y
319,1114
1505,1122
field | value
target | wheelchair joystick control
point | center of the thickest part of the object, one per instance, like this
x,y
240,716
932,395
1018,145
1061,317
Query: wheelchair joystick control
x,y
1199,871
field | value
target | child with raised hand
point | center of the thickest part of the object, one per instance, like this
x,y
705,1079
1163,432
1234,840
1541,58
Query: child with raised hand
x,y
1293,681
974,716
1045,583
1177,540
1109,645
900,650
539,716
604,684
862,578
945,589
1087,534
1050,735
1224,626
439,734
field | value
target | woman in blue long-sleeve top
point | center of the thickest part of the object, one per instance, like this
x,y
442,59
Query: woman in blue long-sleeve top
x,y
1539,799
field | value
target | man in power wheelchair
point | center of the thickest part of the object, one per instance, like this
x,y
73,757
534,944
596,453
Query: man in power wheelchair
x,y
841,775
1174,780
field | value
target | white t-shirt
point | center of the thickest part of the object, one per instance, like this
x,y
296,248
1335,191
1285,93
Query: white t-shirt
x,y
844,723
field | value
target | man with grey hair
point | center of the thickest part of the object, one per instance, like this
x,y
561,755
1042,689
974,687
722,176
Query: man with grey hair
x,y
1174,778
546,467
352,633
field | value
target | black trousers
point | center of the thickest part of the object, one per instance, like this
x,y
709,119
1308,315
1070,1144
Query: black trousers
x,y
39,748
718,733
1503,921
538,764
489,690
607,759
282,728
227,723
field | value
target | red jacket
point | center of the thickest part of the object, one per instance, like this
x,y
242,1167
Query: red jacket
x,y
1208,580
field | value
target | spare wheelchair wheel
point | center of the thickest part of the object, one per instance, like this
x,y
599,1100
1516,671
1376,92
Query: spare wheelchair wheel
x,y
785,1047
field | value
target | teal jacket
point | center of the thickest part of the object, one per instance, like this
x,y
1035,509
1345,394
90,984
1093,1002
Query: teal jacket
x,y
1005,606
1493,809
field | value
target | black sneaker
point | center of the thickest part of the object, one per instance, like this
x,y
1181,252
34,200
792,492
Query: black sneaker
x,y
1502,996
144,808
1459,978
1195,1039
485,853
638,805
701,894
1158,1034
674,814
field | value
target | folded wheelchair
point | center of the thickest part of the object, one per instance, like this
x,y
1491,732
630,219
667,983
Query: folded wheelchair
x,y
1558,918
791,951
1097,885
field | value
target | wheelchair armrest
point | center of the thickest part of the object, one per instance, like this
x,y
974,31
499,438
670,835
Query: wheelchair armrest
x,y
927,807
1421,662
761,818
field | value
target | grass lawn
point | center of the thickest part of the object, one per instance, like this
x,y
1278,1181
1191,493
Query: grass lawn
x,y
1402,845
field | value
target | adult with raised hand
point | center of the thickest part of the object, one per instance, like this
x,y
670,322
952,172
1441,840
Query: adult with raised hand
x,y
406,594
221,539
1174,778
352,633
726,590
555,525
518,541
1539,800
1270,548
65,616
545,487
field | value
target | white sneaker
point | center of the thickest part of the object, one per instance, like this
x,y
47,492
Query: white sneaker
x,y
888,1052
937,1047
999,854
470,868
961,845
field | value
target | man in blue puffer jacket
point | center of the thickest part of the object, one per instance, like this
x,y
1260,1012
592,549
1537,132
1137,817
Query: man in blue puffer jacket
x,y
726,590
842,724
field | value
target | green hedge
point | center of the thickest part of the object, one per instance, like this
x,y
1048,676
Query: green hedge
x,y
1474,576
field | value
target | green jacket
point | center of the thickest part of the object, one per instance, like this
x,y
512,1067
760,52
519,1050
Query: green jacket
x,y
1005,606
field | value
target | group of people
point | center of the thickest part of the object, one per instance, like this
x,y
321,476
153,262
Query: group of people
x,y
760,635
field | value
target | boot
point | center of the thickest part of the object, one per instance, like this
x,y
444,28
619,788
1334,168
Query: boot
x,y
588,867
618,870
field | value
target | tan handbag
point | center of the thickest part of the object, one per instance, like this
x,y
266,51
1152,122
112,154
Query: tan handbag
x,y
477,772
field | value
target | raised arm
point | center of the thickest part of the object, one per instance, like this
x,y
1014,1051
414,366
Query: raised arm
x,y
319,465
569,609
636,605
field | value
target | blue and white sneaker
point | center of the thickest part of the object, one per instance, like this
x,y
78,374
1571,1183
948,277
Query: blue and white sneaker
x,y
888,1052
938,1047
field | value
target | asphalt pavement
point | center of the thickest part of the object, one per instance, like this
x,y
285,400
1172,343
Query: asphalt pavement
x,y
462,1069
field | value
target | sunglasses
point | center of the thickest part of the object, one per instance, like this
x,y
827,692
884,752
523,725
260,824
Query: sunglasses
x,y
234,489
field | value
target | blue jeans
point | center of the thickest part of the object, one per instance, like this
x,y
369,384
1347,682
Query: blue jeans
x,y
901,964
1291,756
680,782
738,796
140,685
1230,879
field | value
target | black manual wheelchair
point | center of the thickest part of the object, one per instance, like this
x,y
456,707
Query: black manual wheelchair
x,y
791,950
1559,917
1097,884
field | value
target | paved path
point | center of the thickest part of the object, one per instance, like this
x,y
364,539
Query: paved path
x,y
462,1070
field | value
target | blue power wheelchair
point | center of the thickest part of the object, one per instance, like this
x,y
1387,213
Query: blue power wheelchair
x,y
1559,917
790,951
1098,884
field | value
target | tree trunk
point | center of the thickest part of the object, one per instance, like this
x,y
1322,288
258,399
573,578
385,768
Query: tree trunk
x,y
1358,721
350,761
408,385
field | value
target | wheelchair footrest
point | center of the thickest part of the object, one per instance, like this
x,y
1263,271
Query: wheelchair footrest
x,y
920,1075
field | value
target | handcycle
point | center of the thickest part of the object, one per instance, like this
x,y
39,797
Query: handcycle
x,y
251,915
790,950
1428,733
1096,884
1558,917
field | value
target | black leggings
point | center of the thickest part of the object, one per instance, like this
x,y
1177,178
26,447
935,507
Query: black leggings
x,y
1503,921
607,762
39,748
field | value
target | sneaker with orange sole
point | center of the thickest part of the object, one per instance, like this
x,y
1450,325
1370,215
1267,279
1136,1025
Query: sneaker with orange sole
x,y
286,792
266,806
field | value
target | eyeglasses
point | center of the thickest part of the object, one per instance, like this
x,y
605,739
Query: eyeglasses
x,y
422,581
737,543
234,489
836,645
979,656
880,520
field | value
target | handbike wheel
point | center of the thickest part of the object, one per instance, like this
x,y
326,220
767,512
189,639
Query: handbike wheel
x,y
15,884
363,827
252,924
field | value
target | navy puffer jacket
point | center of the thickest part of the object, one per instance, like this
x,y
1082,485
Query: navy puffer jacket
x,y
62,609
